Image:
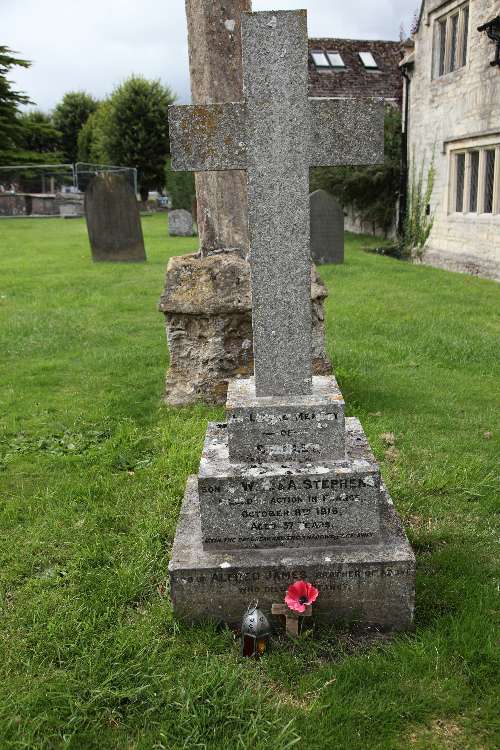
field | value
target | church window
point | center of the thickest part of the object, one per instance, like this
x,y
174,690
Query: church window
x,y
450,41
453,41
475,180
489,181
460,170
465,34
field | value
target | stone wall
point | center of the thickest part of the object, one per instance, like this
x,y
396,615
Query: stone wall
x,y
459,109
44,205
12,205
26,204
354,223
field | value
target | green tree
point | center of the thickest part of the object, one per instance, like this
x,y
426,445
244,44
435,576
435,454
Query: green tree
x,y
136,131
39,134
69,117
372,192
92,138
180,187
10,100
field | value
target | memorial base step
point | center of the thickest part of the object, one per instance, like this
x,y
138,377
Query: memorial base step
x,y
369,586
287,503
285,428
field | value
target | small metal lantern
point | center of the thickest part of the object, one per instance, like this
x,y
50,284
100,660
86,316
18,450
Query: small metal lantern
x,y
255,632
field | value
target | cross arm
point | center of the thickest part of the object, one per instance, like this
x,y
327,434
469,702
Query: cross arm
x,y
346,131
212,137
208,137
283,609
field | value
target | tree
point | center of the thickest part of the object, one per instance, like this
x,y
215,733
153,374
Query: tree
x,y
136,130
69,117
39,134
180,187
372,192
92,138
10,101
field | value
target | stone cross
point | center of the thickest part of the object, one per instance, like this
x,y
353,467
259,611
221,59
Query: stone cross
x,y
276,134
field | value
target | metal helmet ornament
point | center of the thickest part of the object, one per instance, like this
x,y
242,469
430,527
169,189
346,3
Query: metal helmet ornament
x,y
255,632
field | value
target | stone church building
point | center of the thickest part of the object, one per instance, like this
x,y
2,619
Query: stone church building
x,y
452,106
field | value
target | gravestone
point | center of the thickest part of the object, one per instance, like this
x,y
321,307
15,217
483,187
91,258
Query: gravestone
x,y
327,228
113,220
288,487
180,223
70,205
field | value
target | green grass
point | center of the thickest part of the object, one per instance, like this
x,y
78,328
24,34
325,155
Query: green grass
x,y
92,471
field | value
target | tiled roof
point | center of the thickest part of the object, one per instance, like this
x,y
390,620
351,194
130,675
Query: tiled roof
x,y
356,80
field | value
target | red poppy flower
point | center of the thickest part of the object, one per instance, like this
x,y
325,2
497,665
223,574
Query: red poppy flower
x,y
300,594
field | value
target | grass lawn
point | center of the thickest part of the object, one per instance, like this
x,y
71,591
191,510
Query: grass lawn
x,y
92,473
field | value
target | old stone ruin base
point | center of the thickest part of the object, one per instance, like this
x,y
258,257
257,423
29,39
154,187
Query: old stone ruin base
x,y
289,489
207,302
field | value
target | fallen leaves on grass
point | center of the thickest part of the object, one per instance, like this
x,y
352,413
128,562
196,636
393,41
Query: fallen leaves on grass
x,y
447,732
388,438
392,454
162,589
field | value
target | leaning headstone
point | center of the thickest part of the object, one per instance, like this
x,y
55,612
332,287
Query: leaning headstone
x,y
288,489
113,220
327,228
180,223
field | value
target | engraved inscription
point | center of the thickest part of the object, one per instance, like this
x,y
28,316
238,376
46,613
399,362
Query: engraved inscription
x,y
280,509
327,579
289,417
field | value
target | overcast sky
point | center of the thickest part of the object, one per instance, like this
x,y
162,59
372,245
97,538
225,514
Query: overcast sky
x,y
93,45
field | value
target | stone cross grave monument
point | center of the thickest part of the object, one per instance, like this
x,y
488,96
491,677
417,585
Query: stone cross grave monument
x,y
113,220
327,228
288,489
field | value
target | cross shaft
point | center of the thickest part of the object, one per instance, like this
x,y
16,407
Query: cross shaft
x,y
276,135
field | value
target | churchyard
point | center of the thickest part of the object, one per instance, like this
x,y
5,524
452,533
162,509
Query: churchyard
x,y
93,470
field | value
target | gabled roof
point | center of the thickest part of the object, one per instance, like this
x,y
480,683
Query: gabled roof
x,y
356,80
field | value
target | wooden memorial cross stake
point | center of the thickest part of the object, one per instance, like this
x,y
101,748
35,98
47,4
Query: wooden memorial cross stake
x,y
276,134
291,617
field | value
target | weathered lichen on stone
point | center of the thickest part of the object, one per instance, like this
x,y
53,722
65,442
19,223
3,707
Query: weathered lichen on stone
x,y
207,304
206,137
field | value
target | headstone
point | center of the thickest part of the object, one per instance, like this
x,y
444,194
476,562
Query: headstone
x,y
70,205
288,488
113,220
180,223
327,228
